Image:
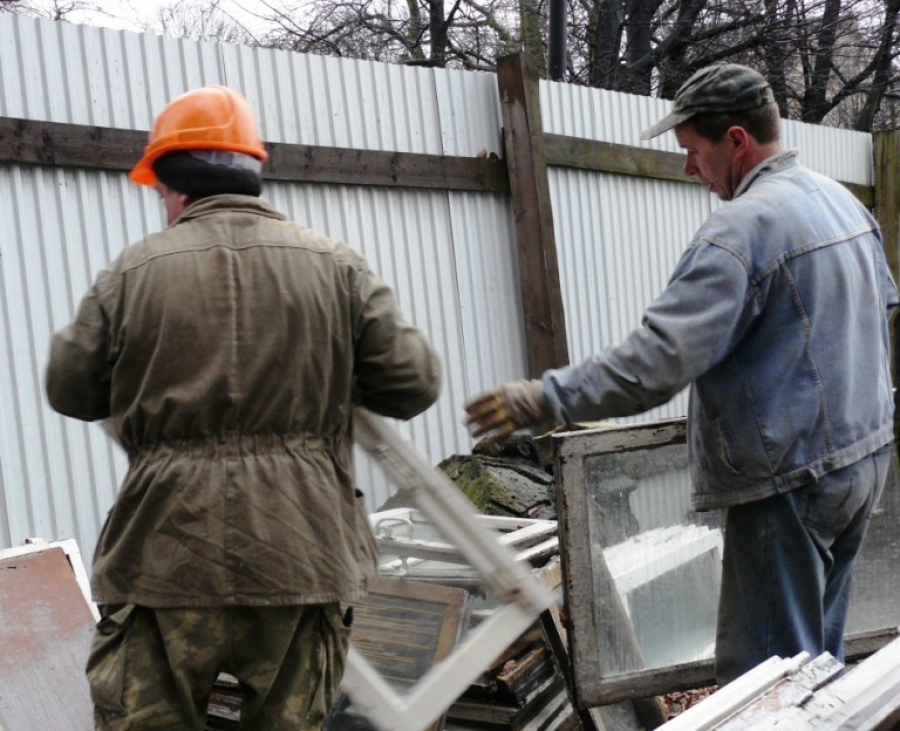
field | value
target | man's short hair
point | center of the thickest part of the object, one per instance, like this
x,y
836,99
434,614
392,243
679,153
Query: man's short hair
x,y
763,124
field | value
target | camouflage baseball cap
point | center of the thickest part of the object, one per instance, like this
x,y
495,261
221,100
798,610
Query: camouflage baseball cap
x,y
721,88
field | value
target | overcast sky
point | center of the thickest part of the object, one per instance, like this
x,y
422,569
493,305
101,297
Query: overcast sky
x,y
132,14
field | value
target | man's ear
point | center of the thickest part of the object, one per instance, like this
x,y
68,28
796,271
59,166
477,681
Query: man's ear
x,y
739,138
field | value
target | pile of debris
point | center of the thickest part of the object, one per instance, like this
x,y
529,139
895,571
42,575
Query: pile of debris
x,y
407,625
428,598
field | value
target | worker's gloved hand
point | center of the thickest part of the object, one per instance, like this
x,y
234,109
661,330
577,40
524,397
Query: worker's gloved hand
x,y
512,406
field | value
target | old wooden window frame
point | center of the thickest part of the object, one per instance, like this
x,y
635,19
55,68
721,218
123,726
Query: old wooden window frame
x,y
454,516
593,685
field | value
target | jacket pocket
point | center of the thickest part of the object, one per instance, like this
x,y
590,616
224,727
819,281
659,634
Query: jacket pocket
x,y
106,661
831,503
719,439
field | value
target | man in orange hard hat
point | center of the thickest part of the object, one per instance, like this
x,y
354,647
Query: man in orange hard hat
x,y
228,352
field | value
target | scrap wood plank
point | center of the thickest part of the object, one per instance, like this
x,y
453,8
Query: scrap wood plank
x,y
767,712
866,699
729,699
799,695
45,635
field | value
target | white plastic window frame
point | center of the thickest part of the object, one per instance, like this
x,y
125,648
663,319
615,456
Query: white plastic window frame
x,y
456,519
530,538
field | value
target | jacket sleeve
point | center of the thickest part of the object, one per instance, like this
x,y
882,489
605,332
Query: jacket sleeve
x,y
706,307
79,372
397,371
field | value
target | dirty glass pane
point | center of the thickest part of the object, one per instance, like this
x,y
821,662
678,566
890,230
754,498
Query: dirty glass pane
x,y
663,559
875,598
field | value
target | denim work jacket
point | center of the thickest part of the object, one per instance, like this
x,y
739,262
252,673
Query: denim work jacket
x,y
777,313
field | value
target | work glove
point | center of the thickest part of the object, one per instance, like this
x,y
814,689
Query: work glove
x,y
512,406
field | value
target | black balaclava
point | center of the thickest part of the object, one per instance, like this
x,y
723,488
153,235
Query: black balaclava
x,y
189,172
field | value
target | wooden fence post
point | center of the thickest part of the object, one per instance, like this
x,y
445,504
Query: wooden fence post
x,y
887,194
887,213
523,136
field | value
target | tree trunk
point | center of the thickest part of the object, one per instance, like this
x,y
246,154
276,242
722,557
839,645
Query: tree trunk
x,y
532,36
815,98
778,49
437,23
414,31
865,122
638,47
605,38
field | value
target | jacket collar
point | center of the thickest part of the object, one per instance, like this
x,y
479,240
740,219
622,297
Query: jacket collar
x,y
228,203
774,164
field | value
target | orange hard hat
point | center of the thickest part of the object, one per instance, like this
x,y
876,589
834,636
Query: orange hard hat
x,y
211,118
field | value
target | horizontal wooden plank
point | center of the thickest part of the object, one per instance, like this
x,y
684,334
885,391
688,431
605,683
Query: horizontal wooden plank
x,y
698,674
648,683
607,157
860,645
578,445
30,142
341,166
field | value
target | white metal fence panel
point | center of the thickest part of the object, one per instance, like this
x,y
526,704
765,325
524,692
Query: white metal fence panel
x,y
618,240
450,256
58,477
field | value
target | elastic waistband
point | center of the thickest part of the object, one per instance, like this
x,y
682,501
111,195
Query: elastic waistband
x,y
230,445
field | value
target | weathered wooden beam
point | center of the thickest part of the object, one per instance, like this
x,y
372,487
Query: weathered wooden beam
x,y
340,166
887,213
860,645
545,325
887,195
30,142
607,157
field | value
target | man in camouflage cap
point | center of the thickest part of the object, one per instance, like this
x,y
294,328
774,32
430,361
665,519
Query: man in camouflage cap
x,y
777,317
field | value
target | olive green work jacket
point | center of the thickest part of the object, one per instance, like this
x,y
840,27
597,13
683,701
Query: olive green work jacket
x,y
228,352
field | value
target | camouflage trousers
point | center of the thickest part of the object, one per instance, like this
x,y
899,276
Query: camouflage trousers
x,y
155,668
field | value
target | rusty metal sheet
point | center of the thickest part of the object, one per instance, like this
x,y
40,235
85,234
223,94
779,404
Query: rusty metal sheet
x,y
45,629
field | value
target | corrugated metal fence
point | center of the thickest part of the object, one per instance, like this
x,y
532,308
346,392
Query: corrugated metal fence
x,y
451,256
